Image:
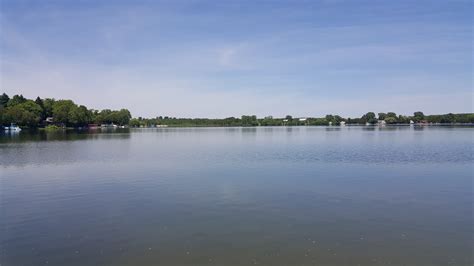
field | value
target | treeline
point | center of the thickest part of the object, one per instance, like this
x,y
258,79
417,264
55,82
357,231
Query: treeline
x,y
40,112
251,120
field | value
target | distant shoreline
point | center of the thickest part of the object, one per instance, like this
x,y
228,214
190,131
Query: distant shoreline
x,y
280,126
19,112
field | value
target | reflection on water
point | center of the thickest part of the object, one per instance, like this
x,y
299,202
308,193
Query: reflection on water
x,y
237,196
62,135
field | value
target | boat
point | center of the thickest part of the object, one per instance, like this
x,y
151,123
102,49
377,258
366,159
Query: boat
x,y
13,127
108,126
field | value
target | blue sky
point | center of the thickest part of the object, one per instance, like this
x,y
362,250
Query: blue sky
x,y
228,58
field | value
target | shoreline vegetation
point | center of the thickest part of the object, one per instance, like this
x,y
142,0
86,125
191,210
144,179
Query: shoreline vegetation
x,y
52,114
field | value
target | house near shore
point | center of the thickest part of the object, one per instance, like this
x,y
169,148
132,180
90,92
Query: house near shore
x,y
303,120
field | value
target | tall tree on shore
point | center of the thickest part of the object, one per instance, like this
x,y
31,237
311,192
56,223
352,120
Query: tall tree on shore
x,y
40,103
4,100
16,99
61,110
418,116
369,118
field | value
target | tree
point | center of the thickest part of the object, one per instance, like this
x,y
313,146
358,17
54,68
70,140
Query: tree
x,y
17,99
391,120
134,122
31,106
369,118
391,114
382,116
418,116
334,119
103,117
61,111
27,114
329,118
338,119
403,119
79,116
249,120
123,117
48,107
4,100
40,103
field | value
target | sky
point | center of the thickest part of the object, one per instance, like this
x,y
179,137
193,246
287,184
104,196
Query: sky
x,y
230,58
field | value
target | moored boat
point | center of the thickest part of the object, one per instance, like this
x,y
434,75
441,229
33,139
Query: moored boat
x,y
13,127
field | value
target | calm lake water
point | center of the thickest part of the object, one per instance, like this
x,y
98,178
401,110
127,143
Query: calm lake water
x,y
238,196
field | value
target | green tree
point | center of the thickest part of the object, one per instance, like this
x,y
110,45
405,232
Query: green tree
x,y
134,122
123,117
403,119
391,114
382,116
369,118
48,107
40,103
418,116
329,118
27,114
16,99
31,106
4,100
79,116
249,120
104,117
391,120
62,110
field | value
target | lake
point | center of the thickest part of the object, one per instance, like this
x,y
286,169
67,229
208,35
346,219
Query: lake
x,y
238,196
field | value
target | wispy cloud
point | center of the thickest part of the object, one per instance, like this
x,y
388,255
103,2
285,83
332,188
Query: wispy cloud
x,y
193,59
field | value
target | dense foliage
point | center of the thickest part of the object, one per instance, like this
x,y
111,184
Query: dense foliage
x,y
371,118
28,113
41,112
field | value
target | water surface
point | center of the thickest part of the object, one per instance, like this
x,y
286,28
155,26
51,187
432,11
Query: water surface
x,y
238,196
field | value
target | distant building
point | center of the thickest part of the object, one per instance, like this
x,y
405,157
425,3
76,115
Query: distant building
x,y
302,119
381,123
342,123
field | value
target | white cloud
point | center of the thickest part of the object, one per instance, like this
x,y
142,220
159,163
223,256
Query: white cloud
x,y
130,59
